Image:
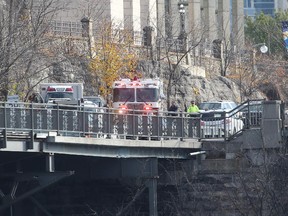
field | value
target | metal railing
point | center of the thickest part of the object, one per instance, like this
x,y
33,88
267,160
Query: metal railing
x,y
28,119
32,118
229,124
250,112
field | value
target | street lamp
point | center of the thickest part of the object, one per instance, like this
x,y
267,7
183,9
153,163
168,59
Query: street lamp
x,y
181,6
182,21
263,49
183,36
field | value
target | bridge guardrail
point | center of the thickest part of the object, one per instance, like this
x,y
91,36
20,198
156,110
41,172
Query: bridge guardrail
x,y
33,118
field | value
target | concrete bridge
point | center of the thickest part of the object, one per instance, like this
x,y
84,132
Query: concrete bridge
x,y
127,146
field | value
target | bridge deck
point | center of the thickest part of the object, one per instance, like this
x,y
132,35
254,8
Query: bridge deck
x,y
121,148
101,147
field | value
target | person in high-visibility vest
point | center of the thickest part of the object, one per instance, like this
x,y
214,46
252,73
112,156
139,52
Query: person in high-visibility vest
x,y
193,109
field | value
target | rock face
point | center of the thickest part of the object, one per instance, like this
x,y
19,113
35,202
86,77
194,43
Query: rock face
x,y
188,87
203,89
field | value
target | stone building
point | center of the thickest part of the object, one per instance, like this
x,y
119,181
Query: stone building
x,y
219,19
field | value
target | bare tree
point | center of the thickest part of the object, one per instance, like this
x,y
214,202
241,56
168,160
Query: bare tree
x,y
24,42
261,188
228,47
256,72
174,53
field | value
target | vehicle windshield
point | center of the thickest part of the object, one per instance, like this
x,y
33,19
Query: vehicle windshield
x,y
147,94
123,95
209,106
96,100
55,95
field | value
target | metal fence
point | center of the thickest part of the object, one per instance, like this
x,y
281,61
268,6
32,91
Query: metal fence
x,y
30,118
17,119
66,28
74,29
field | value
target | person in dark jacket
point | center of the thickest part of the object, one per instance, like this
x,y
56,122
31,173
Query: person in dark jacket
x,y
173,108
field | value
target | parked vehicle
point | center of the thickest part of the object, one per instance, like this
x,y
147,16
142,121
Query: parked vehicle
x,y
217,106
58,92
98,100
61,95
216,124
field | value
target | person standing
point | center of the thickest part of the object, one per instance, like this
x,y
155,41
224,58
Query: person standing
x,y
171,120
194,123
173,108
193,109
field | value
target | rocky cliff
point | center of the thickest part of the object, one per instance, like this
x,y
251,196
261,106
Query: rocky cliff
x,y
187,86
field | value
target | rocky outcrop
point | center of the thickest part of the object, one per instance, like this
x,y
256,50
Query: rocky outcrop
x,y
187,87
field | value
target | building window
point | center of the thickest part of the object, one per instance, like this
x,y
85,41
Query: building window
x,y
247,4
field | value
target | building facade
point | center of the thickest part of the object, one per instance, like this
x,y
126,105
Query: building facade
x,y
269,7
214,19
211,19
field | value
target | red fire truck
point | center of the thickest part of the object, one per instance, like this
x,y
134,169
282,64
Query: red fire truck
x,y
138,94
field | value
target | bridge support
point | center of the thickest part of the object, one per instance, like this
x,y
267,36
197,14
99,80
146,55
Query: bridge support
x,y
50,164
3,140
152,187
37,181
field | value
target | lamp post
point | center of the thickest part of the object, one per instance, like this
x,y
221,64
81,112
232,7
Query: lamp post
x,y
182,20
263,49
183,35
181,5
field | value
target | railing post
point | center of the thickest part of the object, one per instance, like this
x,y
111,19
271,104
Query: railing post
x,y
199,127
182,125
158,124
249,116
83,120
3,143
133,124
29,143
225,127
58,120
109,123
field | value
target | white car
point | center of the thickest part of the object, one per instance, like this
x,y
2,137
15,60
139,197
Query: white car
x,y
216,124
217,105
98,100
